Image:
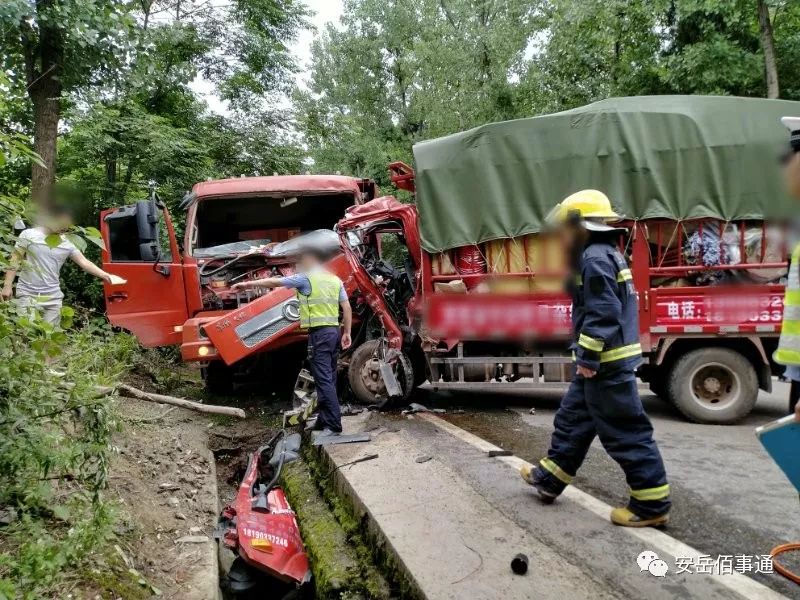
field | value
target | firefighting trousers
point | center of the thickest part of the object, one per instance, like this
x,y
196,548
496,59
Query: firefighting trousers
x,y
323,354
609,408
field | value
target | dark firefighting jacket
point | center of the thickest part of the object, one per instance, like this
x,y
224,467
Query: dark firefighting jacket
x,y
605,315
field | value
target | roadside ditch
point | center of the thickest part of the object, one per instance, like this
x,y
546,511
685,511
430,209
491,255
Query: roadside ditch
x,y
342,561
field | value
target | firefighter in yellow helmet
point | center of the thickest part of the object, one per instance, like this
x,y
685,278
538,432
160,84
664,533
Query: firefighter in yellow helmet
x,y
602,399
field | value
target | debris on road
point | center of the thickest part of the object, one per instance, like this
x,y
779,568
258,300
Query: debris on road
x,y
493,453
414,407
519,564
328,440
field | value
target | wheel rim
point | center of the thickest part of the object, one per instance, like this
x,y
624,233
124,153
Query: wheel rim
x,y
371,376
715,386
371,379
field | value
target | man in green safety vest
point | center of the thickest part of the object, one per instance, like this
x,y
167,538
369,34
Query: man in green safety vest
x,y
321,294
788,352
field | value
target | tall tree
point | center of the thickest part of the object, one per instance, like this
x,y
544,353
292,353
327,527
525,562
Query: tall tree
x,y
150,124
401,70
768,47
53,46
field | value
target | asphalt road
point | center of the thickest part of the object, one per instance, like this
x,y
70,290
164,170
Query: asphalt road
x,y
729,497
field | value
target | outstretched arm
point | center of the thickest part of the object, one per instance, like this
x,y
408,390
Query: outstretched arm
x,y
92,269
269,283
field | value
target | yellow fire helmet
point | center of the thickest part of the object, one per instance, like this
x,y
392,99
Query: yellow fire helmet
x,y
591,207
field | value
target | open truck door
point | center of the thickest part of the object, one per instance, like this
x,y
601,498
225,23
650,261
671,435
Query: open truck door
x,y
141,247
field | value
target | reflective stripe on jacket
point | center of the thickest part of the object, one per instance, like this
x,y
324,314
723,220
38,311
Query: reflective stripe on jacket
x,y
788,352
605,314
320,308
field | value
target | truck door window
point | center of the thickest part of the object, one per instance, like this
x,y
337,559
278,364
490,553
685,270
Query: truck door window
x,y
123,236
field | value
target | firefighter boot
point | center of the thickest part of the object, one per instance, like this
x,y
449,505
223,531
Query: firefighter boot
x,y
624,517
528,473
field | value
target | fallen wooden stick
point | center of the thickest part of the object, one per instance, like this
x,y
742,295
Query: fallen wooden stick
x,y
182,402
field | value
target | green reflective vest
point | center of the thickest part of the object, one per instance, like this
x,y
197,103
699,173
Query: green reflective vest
x,y
321,307
788,352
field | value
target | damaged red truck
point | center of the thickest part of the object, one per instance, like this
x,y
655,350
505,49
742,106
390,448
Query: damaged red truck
x,y
463,289
235,230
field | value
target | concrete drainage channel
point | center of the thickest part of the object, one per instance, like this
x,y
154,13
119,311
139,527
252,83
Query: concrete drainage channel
x,y
344,559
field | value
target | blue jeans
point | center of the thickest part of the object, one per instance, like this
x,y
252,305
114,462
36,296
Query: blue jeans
x,y
323,350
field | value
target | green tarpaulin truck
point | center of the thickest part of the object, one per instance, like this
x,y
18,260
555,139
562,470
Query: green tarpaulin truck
x,y
475,301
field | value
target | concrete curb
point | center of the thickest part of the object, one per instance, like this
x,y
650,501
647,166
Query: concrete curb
x,y
384,553
444,518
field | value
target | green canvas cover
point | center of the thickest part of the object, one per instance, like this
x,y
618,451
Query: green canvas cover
x,y
675,157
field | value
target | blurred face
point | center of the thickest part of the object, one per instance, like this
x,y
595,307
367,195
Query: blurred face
x,y
791,175
571,235
307,262
56,222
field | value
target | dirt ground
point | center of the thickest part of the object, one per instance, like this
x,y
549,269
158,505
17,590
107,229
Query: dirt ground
x,y
169,491
163,478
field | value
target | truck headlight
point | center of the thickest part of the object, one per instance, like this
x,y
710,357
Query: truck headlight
x,y
291,310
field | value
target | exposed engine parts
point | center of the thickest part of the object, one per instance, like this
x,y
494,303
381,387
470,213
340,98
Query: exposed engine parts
x,y
218,275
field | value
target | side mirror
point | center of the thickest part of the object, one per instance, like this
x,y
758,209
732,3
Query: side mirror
x,y
147,217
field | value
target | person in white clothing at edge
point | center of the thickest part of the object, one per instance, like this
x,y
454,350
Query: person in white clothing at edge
x,y
39,266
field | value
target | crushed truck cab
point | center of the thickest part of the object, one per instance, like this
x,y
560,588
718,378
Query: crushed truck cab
x,y
236,230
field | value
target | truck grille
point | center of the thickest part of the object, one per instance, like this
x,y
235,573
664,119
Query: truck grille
x,y
268,323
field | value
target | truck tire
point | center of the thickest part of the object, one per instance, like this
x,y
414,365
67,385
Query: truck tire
x,y
713,385
219,378
365,379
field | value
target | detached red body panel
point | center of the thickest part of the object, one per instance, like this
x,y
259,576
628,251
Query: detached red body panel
x,y
270,321
267,538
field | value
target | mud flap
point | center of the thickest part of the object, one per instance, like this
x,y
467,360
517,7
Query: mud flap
x,y
393,389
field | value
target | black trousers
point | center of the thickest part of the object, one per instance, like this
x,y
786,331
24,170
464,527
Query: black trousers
x,y
794,395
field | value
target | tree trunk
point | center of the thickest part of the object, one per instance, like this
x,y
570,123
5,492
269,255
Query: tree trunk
x,y
43,62
46,98
768,46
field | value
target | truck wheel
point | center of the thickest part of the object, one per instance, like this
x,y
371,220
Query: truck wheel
x,y
713,385
658,385
219,378
365,379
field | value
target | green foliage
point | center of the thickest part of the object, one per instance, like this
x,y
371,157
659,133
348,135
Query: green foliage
x,y
92,37
54,434
151,126
400,71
